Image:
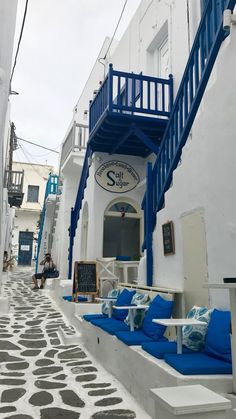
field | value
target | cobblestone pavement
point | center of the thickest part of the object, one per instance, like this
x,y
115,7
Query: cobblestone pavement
x,y
40,378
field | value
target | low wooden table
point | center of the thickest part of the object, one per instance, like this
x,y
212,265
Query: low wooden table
x,y
131,312
179,323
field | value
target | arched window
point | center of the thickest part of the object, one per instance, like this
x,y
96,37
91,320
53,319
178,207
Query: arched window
x,y
122,207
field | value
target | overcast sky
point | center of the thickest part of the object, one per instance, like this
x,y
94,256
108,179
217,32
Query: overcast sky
x,y
60,44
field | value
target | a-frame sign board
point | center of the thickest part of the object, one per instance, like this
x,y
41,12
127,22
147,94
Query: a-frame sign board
x,y
85,280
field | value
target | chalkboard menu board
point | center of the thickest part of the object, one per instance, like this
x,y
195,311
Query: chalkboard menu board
x,y
85,278
168,238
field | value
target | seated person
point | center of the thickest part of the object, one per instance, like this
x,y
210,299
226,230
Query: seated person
x,y
49,271
7,263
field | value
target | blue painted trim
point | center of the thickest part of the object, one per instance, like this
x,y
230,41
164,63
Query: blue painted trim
x,y
75,212
148,224
122,139
71,242
144,138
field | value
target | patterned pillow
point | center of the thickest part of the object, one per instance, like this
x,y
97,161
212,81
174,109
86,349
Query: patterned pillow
x,y
138,299
111,294
194,336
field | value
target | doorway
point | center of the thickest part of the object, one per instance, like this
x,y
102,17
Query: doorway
x,y
163,60
121,233
195,259
25,247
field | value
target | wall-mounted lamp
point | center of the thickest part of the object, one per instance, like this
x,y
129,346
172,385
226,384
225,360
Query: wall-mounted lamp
x,y
228,19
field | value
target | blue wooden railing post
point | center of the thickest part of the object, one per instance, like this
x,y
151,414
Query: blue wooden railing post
x,y
71,242
90,116
110,88
171,92
149,224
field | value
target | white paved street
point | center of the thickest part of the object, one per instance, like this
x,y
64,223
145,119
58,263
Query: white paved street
x,y
41,378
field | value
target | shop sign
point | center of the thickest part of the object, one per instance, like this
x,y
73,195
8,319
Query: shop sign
x,y
116,176
25,247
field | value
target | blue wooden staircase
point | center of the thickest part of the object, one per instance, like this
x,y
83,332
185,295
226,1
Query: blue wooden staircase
x,y
75,212
51,189
206,46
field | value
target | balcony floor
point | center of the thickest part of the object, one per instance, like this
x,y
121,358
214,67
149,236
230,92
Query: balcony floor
x,y
112,133
15,199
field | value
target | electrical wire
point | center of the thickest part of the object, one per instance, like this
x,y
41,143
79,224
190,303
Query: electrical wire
x,y
52,150
27,158
19,42
113,36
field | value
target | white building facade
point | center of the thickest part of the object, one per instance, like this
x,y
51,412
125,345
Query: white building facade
x,y
200,202
7,31
27,218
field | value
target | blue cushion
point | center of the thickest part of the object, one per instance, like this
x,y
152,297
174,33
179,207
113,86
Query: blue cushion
x,y
89,317
123,299
218,336
99,321
115,326
134,338
197,364
111,294
69,298
158,309
123,258
159,349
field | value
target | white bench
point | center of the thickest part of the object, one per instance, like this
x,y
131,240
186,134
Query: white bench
x,y
189,402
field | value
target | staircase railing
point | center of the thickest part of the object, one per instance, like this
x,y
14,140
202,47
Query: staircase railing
x,y
201,60
51,189
75,212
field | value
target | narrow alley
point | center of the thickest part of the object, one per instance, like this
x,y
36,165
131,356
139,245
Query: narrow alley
x,y
41,377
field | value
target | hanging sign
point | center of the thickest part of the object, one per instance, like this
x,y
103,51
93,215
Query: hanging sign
x,y
168,238
116,176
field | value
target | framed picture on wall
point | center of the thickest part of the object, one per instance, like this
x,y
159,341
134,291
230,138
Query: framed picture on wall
x,y
168,238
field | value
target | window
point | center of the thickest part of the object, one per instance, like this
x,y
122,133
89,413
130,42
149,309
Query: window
x,y
122,207
33,193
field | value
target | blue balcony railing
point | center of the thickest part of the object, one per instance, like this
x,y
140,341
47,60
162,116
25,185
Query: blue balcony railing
x,y
52,185
134,94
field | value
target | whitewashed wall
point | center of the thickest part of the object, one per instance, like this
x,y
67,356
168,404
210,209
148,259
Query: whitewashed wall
x,y
27,217
71,170
136,51
206,180
98,200
7,30
151,24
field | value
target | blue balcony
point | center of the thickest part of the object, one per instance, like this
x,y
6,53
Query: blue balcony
x,y
129,113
